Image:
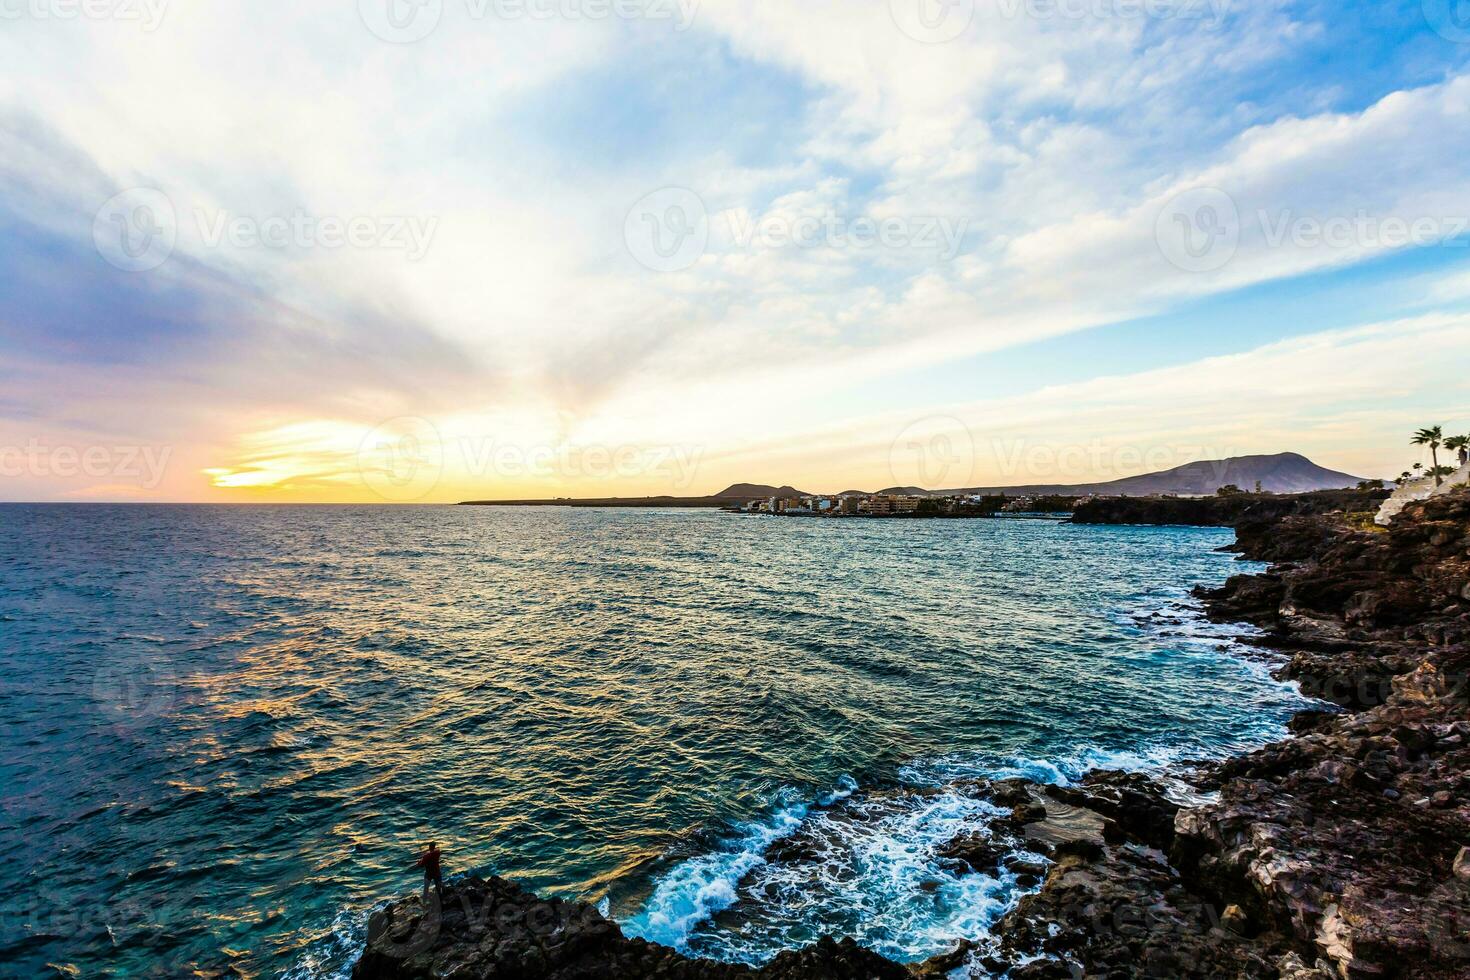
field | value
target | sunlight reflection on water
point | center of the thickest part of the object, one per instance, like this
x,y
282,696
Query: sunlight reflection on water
x,y
226,728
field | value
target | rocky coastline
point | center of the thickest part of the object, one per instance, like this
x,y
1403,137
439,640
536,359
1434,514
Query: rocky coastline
x,y
1226,511
1340,852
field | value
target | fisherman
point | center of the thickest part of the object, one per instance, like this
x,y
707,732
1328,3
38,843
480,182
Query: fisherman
x,y
429,861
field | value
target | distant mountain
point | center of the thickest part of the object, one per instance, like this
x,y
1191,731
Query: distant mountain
x,y
755,491
1280,473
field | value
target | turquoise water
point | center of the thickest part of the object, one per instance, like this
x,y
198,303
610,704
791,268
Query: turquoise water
x,y
226,729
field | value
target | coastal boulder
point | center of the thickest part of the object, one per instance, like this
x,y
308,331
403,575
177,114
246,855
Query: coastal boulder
x,y
491,929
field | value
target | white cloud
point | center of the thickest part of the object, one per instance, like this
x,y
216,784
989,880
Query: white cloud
x,y
1053,144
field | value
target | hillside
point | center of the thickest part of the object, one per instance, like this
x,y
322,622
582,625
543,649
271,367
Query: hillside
x,y
1279,473
754,491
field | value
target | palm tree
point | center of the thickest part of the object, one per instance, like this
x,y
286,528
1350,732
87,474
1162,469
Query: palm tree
x,y
1460,445
1433,438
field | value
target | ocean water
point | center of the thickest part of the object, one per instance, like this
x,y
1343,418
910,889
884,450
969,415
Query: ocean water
x,y
226,730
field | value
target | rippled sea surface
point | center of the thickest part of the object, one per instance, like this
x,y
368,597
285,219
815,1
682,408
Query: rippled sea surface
x,y
227,729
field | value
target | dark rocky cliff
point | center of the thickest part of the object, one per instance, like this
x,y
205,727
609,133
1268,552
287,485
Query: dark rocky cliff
x,y
492,928
1352,836
1339,854
1229,511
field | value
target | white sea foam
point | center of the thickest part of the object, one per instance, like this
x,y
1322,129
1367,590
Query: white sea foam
x,y
867,868
331,957
702,886
1061,771
1177,618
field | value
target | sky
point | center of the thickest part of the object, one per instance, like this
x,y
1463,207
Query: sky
x,y
432,250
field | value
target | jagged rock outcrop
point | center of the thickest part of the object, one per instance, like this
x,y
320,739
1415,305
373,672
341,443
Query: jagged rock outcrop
x,y
1113,904
491,929
1339,854
1347,835
1228,511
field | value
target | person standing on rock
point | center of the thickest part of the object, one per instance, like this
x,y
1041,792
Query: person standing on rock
x,y
429,861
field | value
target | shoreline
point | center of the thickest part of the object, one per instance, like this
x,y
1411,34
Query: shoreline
x,y
1338,851
1153,510
1298,866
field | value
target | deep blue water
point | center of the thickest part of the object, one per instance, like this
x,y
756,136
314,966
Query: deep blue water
x,y
225,730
